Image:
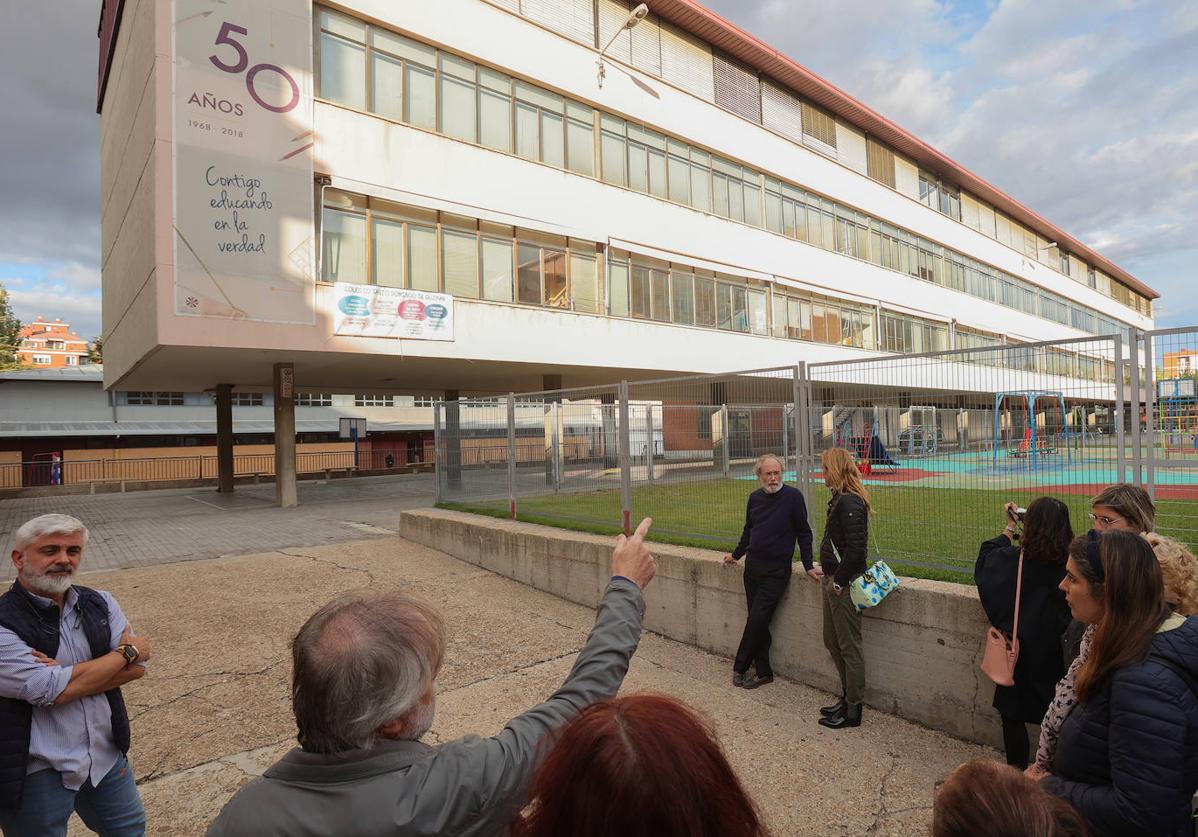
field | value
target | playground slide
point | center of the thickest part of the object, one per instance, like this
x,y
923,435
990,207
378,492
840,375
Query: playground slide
x,y
878,455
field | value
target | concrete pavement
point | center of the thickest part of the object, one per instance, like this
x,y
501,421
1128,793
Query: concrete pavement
x,y
214,710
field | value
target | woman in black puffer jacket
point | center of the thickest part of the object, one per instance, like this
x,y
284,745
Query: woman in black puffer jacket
x,y
1127,756
842,558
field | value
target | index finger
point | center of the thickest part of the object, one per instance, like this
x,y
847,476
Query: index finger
x,y
642,529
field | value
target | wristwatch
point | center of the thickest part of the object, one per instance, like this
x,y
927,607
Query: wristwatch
x,y
837,588
129,652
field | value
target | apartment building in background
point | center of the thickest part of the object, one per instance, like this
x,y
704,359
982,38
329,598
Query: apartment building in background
x,y
466,197
47,345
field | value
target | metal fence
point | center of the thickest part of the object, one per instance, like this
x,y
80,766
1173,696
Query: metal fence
x,y
944,439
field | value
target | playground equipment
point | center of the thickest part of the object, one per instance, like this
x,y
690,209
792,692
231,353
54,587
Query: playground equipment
x,y
922,434
1177,411
858,430
1033,450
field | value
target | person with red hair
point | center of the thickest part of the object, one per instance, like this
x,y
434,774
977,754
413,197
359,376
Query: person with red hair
x,y
638,766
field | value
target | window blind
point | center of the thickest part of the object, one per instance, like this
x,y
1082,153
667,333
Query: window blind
x,y
879,162
572,18
819,125
612,14
737,89
781,111
686,61
646,46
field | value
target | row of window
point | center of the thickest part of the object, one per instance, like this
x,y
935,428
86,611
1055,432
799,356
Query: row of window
x,y
506,264
370,241
146,398
661,50
479,105
48,360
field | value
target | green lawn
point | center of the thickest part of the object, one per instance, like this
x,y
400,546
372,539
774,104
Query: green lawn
x,y
922,532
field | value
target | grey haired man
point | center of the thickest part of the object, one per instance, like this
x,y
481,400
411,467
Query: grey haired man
x,y
363,692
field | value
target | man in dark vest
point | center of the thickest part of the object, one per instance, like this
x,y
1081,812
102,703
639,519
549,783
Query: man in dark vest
x,y
65,651
775,518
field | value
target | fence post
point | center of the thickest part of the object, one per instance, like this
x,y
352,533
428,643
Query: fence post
x,y
556,415
801,391
511,454
725,449
786,446
437,442
625,460
1120,430
1137,451
1149,420
649,440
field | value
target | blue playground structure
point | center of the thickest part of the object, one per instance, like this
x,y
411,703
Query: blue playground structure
x,y
1033,452
1177,411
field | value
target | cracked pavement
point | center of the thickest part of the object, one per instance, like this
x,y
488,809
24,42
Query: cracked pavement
x,y
214,710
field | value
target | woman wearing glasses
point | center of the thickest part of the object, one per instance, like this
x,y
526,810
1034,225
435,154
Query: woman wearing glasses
x,y
1117,508
1127,755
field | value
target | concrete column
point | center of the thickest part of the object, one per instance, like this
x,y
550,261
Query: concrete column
x,y
452,437
224,438
284,391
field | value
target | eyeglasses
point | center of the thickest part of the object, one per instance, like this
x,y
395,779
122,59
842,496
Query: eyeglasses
x,y
1104,519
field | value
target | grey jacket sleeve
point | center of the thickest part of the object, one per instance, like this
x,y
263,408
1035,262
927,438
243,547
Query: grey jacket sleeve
x,y
479,783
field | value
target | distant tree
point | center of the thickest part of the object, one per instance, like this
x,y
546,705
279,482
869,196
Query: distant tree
x,y
95,351
10,333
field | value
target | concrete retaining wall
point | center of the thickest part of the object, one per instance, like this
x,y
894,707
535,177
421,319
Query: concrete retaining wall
x,y
922,645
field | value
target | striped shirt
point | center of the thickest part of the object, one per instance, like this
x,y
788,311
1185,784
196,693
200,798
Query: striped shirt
x,y
75,738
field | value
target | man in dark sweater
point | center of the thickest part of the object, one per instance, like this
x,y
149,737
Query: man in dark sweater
x,y
775,518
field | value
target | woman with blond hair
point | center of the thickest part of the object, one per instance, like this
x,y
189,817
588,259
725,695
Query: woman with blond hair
x,y
842,558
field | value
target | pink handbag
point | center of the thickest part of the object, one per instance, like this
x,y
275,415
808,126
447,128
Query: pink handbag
x,y
1002,650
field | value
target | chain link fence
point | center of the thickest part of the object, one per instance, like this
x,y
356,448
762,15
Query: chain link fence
x,y
943,439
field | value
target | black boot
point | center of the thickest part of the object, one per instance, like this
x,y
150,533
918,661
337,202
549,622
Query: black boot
x,y
835,709
850,717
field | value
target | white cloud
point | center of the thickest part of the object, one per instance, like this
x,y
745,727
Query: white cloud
x,y
69,291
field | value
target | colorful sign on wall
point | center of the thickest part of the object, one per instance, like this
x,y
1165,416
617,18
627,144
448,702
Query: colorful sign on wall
x,y
378,311
243,193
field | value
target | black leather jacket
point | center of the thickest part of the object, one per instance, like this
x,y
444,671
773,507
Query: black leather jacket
x,y
848,528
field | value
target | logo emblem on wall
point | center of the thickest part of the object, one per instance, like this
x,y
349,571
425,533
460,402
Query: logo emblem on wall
x,y
354,306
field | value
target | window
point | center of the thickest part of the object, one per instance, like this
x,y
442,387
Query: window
x,y
528,273
361,400
342,60
612,151
682,284
343,247
313,399
641,294
135,398
168,399
459,262
248,399
72,360
422,258
497,269
423,401
495,109
584,282
41,360
705,302
553,268
580,139
459,97
617,286
879,162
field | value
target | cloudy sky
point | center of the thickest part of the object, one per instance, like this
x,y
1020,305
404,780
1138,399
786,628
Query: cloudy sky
x,y
1085,110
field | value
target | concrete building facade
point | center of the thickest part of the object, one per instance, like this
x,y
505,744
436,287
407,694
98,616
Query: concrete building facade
x,y
570,191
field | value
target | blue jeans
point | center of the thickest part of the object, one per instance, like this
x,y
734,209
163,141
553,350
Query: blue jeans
x,y
111,808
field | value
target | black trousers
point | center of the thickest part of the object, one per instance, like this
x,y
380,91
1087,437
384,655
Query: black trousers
x,y
1015,742
764,588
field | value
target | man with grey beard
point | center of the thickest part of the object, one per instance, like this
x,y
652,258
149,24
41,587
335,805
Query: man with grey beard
x,y
65,652
363,690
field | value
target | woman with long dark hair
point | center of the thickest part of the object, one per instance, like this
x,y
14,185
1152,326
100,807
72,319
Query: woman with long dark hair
x,y
1043,614
1127,755
638,766
842,557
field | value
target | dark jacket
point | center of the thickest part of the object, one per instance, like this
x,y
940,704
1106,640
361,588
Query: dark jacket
x,y
1127,758
37,625
773,522
1043,617
847,527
